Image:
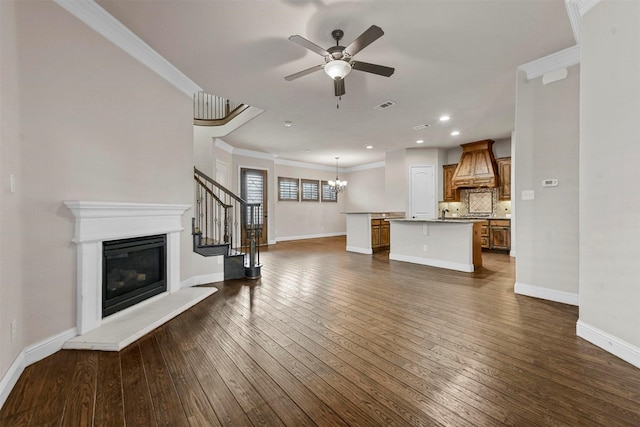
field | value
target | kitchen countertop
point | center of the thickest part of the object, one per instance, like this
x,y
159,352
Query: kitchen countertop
x,y
444,221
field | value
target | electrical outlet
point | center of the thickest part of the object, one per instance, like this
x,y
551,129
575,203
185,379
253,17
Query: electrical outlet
x,y
425,248
14,329
12,183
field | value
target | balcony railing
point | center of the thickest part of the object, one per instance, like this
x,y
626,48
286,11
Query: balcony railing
x,y
211,110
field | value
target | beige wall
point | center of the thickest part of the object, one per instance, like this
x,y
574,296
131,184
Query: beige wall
x,y
11,249
86,122
609,173
366,190
395,179
547,140
295,220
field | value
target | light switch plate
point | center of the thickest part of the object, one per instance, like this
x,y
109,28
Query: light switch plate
x,y
528,194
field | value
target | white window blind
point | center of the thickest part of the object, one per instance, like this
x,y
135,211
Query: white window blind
x,y
310,191
288,189
253,192
328,195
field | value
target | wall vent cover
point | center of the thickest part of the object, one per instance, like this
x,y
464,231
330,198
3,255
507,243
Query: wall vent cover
x,y
384,105
421,126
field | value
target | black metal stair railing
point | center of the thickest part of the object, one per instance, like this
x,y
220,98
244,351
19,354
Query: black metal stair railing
x,y
226,224
211,110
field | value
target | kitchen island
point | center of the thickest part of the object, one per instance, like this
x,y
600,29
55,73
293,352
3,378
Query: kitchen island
x,y
451,244
369,231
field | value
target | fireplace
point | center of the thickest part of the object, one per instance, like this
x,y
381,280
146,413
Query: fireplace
x,y
100,222
133,270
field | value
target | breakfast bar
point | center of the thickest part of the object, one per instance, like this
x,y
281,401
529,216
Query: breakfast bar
x,y
451,244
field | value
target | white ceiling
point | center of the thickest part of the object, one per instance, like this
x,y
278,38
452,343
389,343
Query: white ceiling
x,y
451,57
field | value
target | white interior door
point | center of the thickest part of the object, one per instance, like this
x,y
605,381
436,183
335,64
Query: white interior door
x,y
422,202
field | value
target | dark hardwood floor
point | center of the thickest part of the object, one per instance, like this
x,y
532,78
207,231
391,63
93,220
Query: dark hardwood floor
x,y
328,337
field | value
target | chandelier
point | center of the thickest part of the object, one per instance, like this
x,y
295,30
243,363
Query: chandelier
x,y
337,186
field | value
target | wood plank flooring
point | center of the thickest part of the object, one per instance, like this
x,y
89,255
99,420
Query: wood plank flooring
x,y
328,337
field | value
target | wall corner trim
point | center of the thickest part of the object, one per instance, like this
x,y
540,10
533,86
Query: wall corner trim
x,y
546,293
612,344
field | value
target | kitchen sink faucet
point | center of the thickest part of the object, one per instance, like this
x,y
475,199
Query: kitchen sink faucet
x,y
444,211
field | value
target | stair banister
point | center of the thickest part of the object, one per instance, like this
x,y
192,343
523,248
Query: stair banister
x,y
234,208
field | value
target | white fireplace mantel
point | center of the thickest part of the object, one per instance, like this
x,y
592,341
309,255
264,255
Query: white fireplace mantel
x,y
96,222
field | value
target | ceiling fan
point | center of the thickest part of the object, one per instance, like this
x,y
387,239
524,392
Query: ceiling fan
x,y
339,59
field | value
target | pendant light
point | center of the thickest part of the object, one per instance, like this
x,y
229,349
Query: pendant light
x,y
338,186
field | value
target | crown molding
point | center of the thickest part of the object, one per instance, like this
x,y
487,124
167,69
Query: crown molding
x,y
223,145
366,167
573,12
98,19
294,163
253,154
562,59
584,6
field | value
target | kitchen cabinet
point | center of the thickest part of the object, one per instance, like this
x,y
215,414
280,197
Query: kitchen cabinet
x,y
496,234
500,231
504,174
484,235
380,234
477,166
449,194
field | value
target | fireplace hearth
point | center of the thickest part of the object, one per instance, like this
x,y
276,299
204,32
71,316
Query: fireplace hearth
x,y
133,271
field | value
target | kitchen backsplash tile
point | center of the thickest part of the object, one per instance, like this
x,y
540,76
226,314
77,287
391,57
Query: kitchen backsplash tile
x,y
500,209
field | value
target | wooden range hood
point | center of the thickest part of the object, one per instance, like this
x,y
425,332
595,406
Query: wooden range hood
x,y
477,166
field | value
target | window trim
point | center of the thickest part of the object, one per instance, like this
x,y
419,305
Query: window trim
x,y
309,181
334,199
289,180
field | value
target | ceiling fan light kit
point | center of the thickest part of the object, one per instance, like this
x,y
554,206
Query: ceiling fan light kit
x,y
339,59
337,69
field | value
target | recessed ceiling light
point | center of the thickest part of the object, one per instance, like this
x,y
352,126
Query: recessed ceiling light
x,y
369,147
288,124
420,141
455,133
444,118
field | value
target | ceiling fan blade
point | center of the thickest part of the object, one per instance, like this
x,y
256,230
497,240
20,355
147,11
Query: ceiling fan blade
x,y
303,72
309,45
372,68
338,86
372,34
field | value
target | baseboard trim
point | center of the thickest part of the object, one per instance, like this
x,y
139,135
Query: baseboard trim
x,y
309,236
203,279
30,355
465,268
546,293
610,343
358,250
52,344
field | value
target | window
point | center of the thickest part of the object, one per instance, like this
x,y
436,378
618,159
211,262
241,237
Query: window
x,y
288,189
328,195
310,190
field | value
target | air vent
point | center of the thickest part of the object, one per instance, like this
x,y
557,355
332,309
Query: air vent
x,y
384,105
421,126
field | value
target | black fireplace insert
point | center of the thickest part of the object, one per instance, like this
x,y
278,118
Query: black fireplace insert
x,y
133,270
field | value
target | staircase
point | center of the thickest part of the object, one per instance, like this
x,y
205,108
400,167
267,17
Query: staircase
x,y
224,224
